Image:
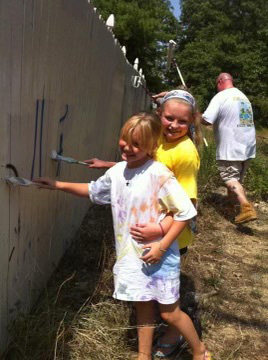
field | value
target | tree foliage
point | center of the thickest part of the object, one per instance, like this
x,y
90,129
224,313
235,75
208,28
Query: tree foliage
x,y
144,27
213,36
225,36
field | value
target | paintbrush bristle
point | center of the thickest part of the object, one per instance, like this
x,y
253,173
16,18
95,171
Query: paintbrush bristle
x,y
54,155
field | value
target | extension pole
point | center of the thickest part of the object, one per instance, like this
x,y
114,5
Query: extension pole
x,y
171,60
179,72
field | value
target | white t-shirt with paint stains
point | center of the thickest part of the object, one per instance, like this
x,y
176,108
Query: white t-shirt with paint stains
x,y
231,115
142,195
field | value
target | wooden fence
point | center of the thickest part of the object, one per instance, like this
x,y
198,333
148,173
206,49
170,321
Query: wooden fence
x,y
65,84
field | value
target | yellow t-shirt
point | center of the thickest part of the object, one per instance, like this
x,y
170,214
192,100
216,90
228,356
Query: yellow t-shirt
x,y
182,158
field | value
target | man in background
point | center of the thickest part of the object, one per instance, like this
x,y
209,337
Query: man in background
x,y
231,115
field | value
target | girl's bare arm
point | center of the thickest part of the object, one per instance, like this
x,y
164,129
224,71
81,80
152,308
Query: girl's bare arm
x,y
157,249
78,189
99,164
151,231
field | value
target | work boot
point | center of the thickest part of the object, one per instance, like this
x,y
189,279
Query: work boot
x,y
247,213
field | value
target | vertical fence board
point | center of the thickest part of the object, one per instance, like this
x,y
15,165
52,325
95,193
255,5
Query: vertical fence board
x,y
15,272
24,158
5,66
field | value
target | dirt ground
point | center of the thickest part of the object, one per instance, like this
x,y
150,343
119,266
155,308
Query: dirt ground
x,y
228,265
226,269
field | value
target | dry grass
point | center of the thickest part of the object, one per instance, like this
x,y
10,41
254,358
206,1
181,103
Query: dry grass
x,y
229,268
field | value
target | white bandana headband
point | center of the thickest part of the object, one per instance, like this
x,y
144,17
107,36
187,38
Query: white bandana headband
x,y
179,94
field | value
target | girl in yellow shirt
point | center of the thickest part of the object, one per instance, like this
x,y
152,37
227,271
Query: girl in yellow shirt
x,y
177,151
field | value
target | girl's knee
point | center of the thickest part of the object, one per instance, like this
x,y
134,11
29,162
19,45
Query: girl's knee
x,y
172,314
166,316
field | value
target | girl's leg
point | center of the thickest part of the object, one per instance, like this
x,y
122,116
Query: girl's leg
x,y
180,322
145,322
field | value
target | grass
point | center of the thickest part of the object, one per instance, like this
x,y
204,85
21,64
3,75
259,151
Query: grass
x,y
101,332
256,178
256,293
208,175
213,281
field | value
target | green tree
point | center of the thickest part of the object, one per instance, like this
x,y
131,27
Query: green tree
x,y
229,36
144,27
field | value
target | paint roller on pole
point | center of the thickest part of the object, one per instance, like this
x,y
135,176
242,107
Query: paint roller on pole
x,y
171,60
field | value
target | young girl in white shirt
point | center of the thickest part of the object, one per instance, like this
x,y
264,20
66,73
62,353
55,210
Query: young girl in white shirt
x,y
142,190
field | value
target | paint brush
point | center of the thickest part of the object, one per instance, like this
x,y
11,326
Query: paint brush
x,y
55,156
18,181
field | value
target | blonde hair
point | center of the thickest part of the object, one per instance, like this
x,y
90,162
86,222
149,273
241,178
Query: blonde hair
x,y
149,128
196,120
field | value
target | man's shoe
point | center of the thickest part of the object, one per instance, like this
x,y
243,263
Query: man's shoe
x,y
247,213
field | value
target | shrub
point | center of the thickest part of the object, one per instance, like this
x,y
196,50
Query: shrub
x,y
260,110
256,179
208,178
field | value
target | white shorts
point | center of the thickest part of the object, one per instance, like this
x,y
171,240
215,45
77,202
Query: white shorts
x,y
232,170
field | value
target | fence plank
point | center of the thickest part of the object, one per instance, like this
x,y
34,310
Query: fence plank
x,y
5,98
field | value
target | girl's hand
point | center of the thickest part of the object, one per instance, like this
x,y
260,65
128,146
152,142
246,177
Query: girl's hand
x,y
159,95
154,254
145,232
46,183
97,163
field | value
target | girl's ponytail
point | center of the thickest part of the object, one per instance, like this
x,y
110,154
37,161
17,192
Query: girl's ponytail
x,y
195,132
